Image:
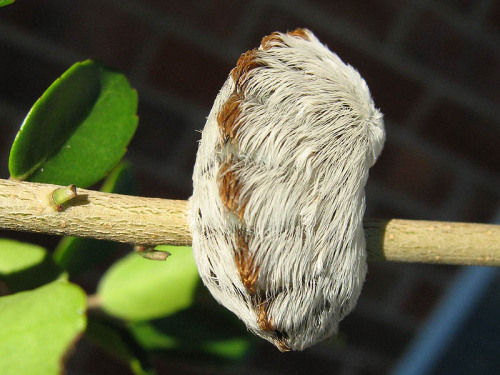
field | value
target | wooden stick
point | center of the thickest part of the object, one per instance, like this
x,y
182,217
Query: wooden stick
x,y
27,206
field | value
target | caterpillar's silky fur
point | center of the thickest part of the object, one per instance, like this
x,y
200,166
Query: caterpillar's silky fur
x,y
278,201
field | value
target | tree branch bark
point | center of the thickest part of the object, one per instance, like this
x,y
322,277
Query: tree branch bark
x,y
26,206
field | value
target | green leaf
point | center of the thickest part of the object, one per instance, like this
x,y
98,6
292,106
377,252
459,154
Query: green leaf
x,y
25,266
78,130
233,349
77,255
198,332
135,288
5,2
119,342
39,327
121,180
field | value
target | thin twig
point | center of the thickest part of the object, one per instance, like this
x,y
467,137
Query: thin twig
x,y
27,206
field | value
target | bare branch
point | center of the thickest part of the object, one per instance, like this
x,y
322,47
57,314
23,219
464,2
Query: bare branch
x,y
26,206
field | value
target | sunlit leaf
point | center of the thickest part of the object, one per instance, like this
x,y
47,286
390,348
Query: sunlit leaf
x,y
5,2
78,130
198,333
38,327
135,288
25,266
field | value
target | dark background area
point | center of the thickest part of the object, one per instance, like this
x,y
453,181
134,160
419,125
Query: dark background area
x,y
433,68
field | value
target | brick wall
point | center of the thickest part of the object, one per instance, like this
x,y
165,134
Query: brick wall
x,y
433,68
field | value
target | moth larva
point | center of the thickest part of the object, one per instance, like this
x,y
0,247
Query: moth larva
x,y
278,201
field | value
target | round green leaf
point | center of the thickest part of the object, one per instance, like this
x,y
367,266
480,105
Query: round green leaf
x,y
234,349
5,2
16,256
39,326
25,266
200,333
78,130
135,288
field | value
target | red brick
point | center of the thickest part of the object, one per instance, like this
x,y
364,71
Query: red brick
x,y
387,210
191,140
443,271
373,371
394,94
158,132
379,280
267,360
184,69
373,335
89,358
155,187
458,130
464,6
482,205
25,76
272,19
374,17
9,129
90,28
109,35
42,18
421,299
463,60
493,18
220,17
406,171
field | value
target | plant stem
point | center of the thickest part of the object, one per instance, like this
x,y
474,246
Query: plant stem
x,y
94,302
26,206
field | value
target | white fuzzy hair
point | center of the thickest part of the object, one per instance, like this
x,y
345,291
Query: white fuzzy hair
x,y
307,132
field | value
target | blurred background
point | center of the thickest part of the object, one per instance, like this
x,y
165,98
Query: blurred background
x,y
433,67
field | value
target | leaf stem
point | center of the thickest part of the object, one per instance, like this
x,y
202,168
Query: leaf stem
x,y
63,195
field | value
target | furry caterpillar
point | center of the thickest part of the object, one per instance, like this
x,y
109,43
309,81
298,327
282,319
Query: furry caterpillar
x,y
278,202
